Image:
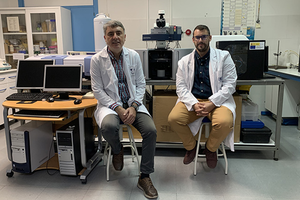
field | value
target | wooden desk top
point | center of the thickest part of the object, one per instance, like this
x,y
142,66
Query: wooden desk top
x,y
56,105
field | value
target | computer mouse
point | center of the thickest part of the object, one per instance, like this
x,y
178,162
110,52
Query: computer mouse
x,y
77,101
50,100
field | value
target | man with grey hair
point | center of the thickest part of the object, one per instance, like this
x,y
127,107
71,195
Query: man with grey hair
x,y
119,86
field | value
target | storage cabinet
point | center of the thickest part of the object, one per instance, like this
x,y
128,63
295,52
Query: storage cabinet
x,y
7,87
291,98
34,30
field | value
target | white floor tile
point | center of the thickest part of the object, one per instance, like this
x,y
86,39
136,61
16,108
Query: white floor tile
x,y
252,175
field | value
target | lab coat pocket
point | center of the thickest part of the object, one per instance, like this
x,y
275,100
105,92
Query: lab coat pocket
x,y
219,79
132,70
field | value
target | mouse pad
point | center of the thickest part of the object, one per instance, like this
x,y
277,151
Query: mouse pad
x,y
26,102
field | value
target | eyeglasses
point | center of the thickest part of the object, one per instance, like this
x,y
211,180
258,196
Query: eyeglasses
x,y
203,37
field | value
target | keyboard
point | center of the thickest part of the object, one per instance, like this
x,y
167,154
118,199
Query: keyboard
x,y
40,113
28,96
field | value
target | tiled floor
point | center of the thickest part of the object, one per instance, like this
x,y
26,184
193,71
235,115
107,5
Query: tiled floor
x,y
252,175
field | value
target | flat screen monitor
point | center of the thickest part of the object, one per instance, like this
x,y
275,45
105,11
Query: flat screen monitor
x,y
63,79
30,73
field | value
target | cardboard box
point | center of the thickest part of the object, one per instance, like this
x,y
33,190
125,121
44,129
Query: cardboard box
x,y
162,106
238,119
237,127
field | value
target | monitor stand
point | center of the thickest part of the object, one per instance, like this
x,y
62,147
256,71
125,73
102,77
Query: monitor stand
x,y
64,96
35,91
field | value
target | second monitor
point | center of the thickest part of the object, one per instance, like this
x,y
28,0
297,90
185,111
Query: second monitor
x,y
63,79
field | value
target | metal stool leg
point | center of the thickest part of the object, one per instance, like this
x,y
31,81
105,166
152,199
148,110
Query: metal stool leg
x,y
222,148
131,144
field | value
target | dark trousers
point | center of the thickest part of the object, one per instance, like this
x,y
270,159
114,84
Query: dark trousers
x,y
145,125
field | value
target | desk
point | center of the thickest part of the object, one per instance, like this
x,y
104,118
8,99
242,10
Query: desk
x,y
272,145
292,74
291,95
57,105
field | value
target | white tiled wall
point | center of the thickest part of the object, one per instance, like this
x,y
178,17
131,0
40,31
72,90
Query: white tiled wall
x,y
279,20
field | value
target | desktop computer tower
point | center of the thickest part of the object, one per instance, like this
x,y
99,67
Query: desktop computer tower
x,y
31,145
68,146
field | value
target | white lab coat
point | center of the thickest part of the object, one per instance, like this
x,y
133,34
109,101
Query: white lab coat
x,y
105,82
223,77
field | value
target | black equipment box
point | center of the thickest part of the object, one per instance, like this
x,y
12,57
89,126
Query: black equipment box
x,y
256,135
250,57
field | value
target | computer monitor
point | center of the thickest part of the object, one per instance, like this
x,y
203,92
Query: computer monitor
x,y
63,79
30,74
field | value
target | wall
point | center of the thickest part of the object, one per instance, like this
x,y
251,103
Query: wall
x,y
8,3
279,20
140,20
30,3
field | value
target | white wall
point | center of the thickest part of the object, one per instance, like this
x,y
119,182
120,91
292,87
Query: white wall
x,y
32,3
8,3
139,16
279,20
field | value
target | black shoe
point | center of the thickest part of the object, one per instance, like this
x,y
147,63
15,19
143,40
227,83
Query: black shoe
x,y
211,158
118,160
189,156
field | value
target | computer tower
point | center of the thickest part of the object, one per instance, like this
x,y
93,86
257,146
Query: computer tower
x,y
31,145
249,57
68,146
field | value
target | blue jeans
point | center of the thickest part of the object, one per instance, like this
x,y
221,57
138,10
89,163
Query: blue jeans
x,y
145,125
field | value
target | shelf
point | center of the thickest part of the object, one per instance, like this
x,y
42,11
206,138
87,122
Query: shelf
x,y
39,118
12,54
14,33
43,33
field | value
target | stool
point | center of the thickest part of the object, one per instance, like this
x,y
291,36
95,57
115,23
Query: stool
x,y
206,123
131,144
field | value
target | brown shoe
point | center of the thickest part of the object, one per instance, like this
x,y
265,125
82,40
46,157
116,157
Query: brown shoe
x,y
118,160
211,158
146,185
189,156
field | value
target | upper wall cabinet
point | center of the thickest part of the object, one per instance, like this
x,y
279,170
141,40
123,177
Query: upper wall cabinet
x,y
34,30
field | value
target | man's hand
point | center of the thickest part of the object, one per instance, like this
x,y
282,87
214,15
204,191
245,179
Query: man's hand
x,y
203,108
127,116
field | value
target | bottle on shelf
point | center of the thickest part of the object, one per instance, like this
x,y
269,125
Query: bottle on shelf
x,y
11,48
47,50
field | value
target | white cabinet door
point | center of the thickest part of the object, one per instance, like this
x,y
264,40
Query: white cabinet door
x,y
32,30
13,34
291,97
7,87
50,30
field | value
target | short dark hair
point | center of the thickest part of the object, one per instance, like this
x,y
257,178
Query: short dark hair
x,y
201,28
113,24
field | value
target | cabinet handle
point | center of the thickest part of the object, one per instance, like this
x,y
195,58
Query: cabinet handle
x,y
12,77
2,79
2,91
